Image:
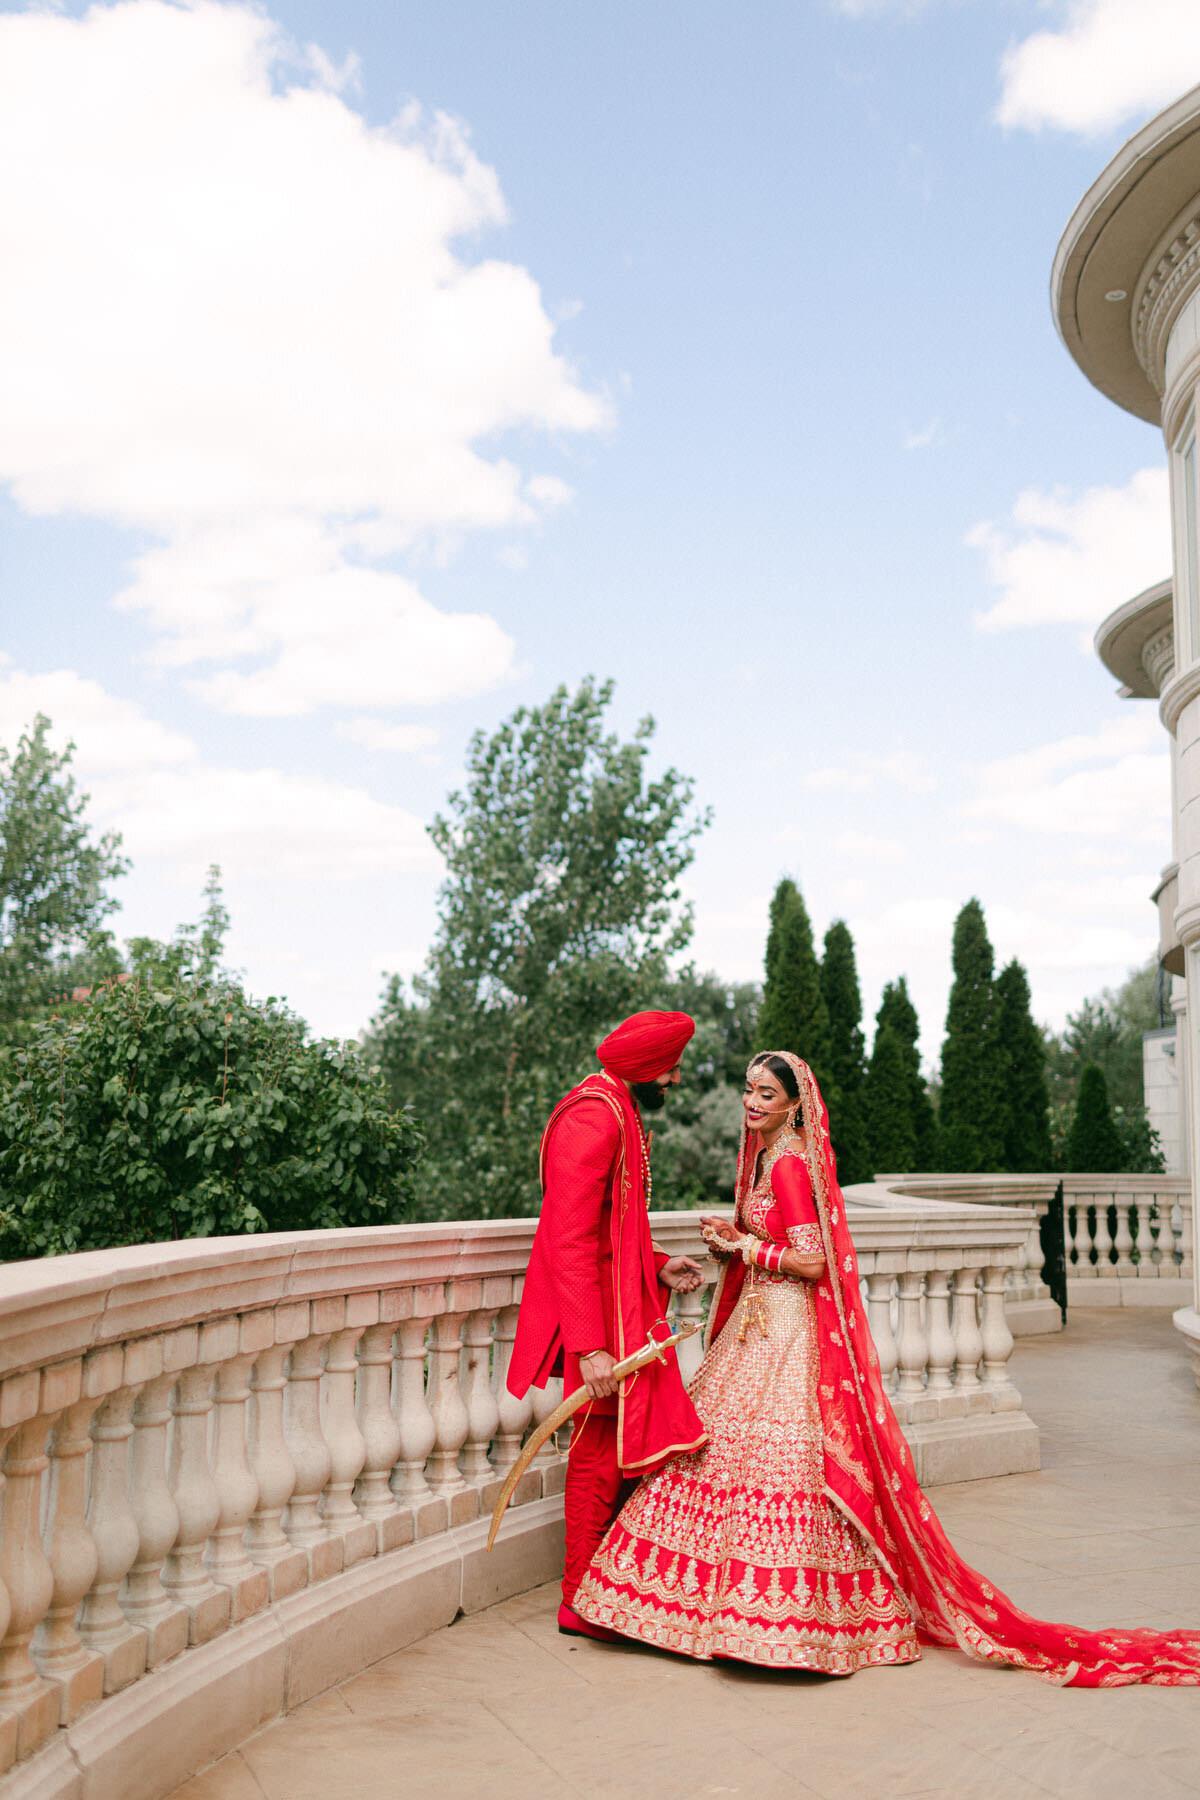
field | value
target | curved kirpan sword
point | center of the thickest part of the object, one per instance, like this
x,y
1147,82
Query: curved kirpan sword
x,y
651,1351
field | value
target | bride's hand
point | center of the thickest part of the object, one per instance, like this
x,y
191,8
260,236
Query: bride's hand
x,y
724,1229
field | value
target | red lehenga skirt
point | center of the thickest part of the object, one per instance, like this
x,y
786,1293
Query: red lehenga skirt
x,y
734,1550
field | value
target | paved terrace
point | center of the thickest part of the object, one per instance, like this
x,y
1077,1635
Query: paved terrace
x,y
1108,1532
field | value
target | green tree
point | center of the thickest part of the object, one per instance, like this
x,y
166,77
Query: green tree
x,y
793,1015
143,1113
696,1134
1026,1107
53,875
560,908
1107,1030
889,1105
970,1133
898,1014
847,1059
1094,1146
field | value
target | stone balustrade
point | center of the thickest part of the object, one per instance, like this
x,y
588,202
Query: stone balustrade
x,y
1129,1238
235,1471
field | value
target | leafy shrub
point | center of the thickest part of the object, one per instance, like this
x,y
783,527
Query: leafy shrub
x,y
148,1112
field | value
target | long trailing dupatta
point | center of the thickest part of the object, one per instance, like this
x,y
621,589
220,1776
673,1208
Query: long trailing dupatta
x,y
869,1476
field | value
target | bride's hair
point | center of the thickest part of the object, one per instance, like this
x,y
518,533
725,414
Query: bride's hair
x,y
781,1070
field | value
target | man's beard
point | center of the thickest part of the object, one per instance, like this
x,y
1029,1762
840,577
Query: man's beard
x,y
649,1096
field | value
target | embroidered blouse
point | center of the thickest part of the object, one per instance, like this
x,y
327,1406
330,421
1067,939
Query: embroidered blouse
x,y
780,1210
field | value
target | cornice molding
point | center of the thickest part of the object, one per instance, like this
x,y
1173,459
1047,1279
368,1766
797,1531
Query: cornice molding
x,y
1175,697
1165,286
1158,657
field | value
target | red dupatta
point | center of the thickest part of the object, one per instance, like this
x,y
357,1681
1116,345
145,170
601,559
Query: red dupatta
x,y
869,1477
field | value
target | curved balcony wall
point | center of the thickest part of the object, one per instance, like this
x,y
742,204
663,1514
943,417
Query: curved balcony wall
x,y
236,1471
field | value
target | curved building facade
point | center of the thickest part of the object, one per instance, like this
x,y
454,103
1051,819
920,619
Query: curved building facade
x,y
1126,296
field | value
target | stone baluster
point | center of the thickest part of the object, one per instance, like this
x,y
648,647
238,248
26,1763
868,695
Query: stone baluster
x,y
267,1544
185,1574
347,1446
58,1649
446,1403
111,1522
247,1583
1187,1258
1138,1248
690,1307
26,1573
968,1343
483,1410
382,1437
1096,1230
514,1414
879,1317
418,1433
144,1598
311,1459
1072,1231
911,1344
997,1341
545,1399
939,1337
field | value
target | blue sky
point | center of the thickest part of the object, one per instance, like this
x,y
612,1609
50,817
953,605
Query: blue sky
x,y
370,370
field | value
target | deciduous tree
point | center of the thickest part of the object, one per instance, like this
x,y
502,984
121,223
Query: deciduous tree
x,y
559,911
53,876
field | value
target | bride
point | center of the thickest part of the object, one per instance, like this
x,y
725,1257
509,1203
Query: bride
x,y
798,1536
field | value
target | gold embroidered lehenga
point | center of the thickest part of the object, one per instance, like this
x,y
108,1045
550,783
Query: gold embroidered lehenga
x,y
735,1550
799,1536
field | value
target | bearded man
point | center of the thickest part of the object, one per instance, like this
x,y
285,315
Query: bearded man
x,y
597,1287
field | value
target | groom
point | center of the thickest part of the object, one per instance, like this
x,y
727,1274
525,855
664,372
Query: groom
x,y
596,1287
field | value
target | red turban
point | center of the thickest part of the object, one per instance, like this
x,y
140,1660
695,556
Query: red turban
x,y
646,1045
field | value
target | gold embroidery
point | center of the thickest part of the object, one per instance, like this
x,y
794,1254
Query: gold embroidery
x,y
772,1572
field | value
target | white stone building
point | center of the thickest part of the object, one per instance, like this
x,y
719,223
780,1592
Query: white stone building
x,y
1126,296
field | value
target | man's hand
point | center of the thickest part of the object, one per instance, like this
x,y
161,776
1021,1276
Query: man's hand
x,y
725,1229
597,1372
682,1274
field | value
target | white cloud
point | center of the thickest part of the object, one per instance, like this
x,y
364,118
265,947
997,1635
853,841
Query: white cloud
x,y
378,734
260,346
1071,559
925,438
1114,783
904,767
172,807
1108,62
878,849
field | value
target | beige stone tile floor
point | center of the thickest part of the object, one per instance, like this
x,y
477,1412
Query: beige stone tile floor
x,y
1108,1532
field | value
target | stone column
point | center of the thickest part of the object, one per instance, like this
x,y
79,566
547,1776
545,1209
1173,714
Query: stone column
x,y
274,1472
111,1521
28,1578
145,1599
311,1458
381,1436
58,1649
347,1447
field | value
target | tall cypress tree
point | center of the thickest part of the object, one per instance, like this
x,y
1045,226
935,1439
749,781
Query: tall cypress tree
x,y
793,1015
898,1014
889,1105
1026,1098
1094,1146
970,1122
843,1002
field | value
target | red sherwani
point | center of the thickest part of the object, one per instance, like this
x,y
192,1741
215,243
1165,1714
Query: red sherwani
x,y
592,1284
